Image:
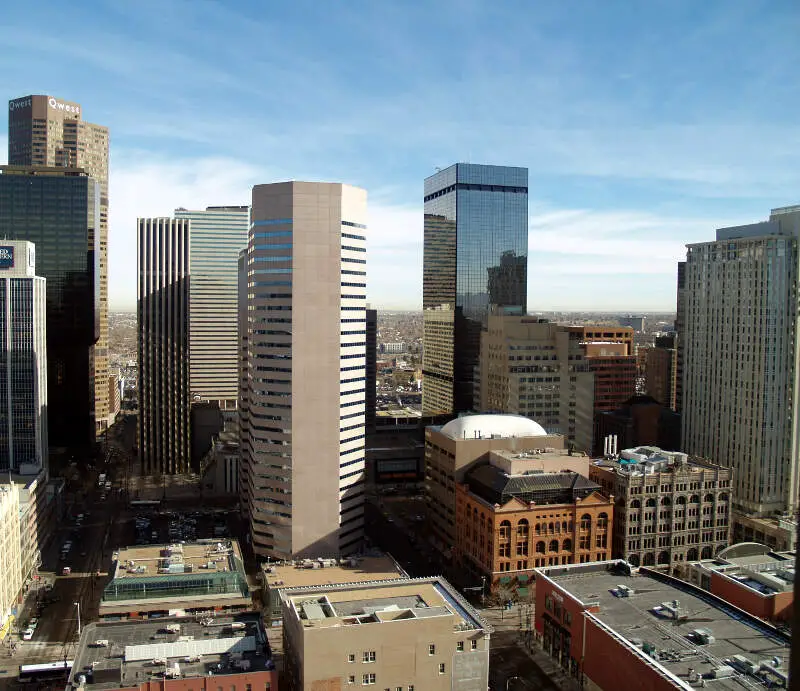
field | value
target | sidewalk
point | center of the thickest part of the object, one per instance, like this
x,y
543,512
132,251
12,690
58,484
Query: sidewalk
x,y
506,621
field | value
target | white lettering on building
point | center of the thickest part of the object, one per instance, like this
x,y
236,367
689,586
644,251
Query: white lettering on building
x,y
58,105
19,103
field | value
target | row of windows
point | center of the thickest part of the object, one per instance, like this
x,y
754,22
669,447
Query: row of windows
x,y
354,249
354,225
354,273
354,237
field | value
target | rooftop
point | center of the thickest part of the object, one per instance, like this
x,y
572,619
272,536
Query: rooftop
x,y
326,571
496,486
182,574
492,427
383,603
666,614
129,650
755,566
650,459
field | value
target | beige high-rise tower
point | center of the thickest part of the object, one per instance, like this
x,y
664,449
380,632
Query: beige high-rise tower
x,y
302,404
47,131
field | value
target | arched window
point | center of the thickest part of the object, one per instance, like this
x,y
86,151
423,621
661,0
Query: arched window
x,y
666,501
474,515
691,554
551,528
633,560
522,529
567,545
554,545
602,520
648,559
540,547
723,496
563,526
694,499
586,522
681,501
505,530
650,502
663,558
636,504
706,553
708,498
538,529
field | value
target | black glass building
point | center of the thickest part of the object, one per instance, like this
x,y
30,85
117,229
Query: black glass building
x,y
58,209
475,260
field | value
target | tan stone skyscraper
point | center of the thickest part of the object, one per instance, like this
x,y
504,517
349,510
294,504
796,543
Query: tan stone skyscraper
x,y
302,404
46,131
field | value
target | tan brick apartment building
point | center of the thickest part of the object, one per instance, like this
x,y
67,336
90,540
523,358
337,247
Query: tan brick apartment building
x,y
669,508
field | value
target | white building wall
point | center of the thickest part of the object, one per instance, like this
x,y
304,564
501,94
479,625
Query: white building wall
x,y
10,554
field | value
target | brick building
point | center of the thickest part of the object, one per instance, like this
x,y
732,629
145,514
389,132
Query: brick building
x,y
669,508
750,576
452,449
511,519
613,628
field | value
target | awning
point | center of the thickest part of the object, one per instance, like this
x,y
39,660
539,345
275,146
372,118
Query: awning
x,y
522,591
523,578
505,579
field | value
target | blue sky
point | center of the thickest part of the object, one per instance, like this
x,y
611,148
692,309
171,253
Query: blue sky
x,y
645,125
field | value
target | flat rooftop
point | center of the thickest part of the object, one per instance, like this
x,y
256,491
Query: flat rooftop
x,y
755,566
358,570
176,576
383,603
150,560
641,619
132,647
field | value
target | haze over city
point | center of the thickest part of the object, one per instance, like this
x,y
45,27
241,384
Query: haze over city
x,y
635,145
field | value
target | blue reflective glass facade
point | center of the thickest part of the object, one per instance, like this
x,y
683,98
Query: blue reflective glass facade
x,y
475,256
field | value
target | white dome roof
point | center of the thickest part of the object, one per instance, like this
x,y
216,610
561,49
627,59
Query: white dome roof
x,y
487,426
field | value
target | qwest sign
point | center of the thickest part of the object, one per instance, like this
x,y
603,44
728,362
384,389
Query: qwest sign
x,y
58,105
19,104
6,257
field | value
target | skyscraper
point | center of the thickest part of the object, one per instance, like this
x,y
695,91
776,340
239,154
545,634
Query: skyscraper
x,y
532,367
23,361
741,346
303,433
218,234
58,209
46,131
163,345
475,258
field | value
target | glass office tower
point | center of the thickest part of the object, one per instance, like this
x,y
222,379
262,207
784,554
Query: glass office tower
x,y
58,209
475,260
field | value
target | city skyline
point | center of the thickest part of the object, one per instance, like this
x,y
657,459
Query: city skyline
x,y
635,147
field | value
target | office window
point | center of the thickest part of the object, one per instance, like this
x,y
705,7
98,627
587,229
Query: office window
x,y
441,668
431,649
368,679
351,658
460,646
474,644
368,656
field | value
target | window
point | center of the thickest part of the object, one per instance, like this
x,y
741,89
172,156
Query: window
x,y
411,687
474,644
368,656
367,679
460,646
441,668
351,658
351,679
431,649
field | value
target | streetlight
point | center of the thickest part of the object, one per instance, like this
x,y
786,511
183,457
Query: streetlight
x,y
78,605
509,680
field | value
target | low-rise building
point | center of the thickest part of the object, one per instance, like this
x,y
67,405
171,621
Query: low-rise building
x,y
669,508
452,449
612,628
520,511
175,654
158,580
750,576
411,634
279,577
